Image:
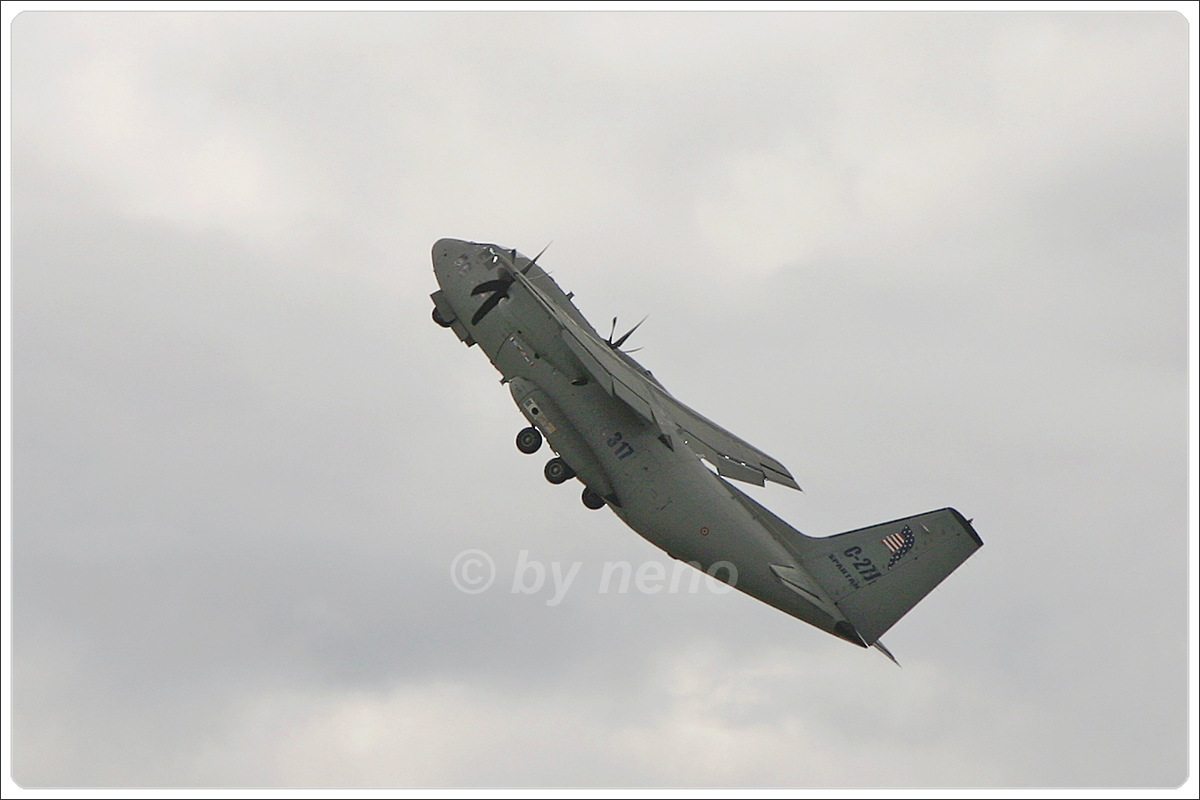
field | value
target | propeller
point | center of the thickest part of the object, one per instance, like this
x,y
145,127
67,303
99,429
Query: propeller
x,y
617,344
529,266
499,287
525,271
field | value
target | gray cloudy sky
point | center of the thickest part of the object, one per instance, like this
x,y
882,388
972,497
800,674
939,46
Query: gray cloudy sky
x,y
922,259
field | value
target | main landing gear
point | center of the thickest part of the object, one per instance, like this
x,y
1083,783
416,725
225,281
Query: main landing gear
x,y
529,441
557,471
592,500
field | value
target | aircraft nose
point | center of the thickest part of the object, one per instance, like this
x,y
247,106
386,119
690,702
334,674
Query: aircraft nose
x,y
445,250
451,258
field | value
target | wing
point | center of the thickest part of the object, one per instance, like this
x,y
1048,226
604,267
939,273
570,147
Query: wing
x,y
622,378
733,457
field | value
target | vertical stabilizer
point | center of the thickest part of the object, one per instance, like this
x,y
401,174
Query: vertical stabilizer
x,y
875,575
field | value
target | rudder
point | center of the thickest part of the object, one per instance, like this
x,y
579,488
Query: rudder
x,y
876,574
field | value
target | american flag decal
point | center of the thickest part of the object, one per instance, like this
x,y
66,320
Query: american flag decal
x,y
898,544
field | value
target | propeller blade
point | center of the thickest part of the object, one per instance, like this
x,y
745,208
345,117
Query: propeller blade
x,y
487,306
498,285
529,266
621,341
613,331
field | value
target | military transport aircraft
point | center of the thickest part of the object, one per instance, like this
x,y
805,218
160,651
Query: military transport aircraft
x,y
641,452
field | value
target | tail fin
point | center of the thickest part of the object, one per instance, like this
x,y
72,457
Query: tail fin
x,y
875,575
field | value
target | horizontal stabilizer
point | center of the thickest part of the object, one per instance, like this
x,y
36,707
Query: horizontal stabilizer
x,y
875,575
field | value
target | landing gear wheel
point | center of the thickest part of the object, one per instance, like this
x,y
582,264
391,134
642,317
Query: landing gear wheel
x,y
591,499
558,471
529,440
437,317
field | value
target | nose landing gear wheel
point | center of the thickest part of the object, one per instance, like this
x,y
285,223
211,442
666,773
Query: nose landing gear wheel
x,y
529,440
592,500
558,471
